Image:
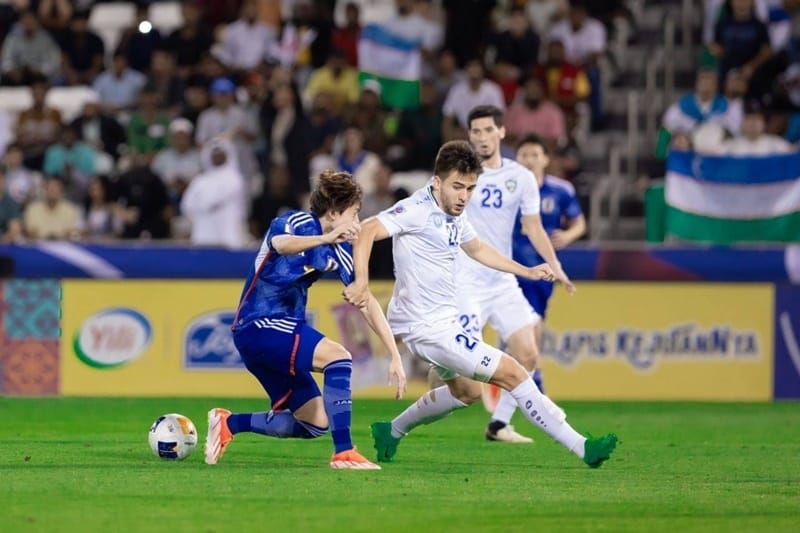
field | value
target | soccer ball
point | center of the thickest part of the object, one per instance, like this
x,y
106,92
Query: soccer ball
x,y
173,436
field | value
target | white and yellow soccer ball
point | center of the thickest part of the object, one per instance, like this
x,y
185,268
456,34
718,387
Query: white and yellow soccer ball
x,y
173,437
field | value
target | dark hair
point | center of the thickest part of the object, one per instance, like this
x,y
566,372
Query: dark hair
x,y
483,111
532,138
458,156
335,191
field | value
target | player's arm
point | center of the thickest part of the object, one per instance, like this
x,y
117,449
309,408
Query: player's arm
x,y
488,256
372,230
373,313
575,229
533,228
294,244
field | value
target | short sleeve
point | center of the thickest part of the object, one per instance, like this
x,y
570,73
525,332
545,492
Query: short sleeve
x,y
467,230
299,223
530,201
571,208
403,217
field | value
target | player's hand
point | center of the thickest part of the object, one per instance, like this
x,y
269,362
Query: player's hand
x,y
559,239
357,293
562,278
541,272
397,374
346,231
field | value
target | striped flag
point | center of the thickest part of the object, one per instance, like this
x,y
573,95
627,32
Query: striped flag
x,y
725,199
392,61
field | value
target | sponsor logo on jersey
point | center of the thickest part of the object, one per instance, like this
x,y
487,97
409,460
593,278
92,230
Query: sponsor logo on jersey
x,y
208,342
112,337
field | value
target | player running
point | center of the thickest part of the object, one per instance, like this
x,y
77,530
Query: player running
x,y
505,191
277,345
562,219
429,229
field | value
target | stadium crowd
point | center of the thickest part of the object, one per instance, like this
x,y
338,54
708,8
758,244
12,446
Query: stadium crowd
x,y
234,111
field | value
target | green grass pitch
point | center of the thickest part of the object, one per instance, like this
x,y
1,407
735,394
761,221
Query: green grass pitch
x,y
84,465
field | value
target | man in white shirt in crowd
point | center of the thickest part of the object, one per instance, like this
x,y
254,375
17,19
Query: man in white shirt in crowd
x,y
465,95
215,201
246,41
753,140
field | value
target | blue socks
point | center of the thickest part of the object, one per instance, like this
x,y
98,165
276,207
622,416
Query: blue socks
x,y
339,402
281,424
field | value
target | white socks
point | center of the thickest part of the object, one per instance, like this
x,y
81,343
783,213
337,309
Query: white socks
x,y
547,416
430,407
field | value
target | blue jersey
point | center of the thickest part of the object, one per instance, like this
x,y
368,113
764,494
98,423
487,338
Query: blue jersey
x,y
276,289
558,205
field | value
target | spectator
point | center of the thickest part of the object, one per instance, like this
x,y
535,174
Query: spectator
x,y
337,79
420,130
227,118
72,161
147,128
272,202
29,52
467,30
788,97
10,213
37,127
323,125
564,83
196,98
22,184
100,214
753,141
139,41
355,160
55,17
543,13
446,75
143,203
165,80
370,117
215,202
286,130
178,164
53,217
584,40
118,87
741,41
246,41
518,45
475,90
346,37
382,196
703,105
532,113
734,92
98,129
83,52
191,41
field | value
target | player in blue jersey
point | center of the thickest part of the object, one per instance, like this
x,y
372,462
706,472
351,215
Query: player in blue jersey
x,y
562,219
277,345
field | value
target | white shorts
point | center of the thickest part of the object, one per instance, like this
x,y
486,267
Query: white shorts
x,y
502,305
452,351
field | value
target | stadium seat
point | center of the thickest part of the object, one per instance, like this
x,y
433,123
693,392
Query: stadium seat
x,y
166,16
110,20
69,100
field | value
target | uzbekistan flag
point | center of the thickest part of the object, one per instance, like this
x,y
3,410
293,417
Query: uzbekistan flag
x,y
393,62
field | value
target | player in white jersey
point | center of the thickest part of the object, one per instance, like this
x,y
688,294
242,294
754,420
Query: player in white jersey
x,y
505,190
428,230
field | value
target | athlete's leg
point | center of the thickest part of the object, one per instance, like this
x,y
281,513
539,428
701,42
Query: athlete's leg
x,y
543,413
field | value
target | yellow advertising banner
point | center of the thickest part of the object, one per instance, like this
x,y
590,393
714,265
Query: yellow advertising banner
x,y
172,338
611,341
660,341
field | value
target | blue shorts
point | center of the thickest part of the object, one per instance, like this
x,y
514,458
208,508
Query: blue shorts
x,y
538,294
282,362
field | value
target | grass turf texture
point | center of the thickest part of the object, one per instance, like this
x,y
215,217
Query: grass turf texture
x,y
84,465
